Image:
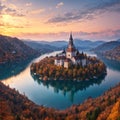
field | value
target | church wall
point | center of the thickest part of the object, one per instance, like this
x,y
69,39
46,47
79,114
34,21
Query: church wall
x,y
70,54
73,60
59,62
56,62
66,64
83,62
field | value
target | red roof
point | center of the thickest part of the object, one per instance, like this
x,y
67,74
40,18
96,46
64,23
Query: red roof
x,y
71,49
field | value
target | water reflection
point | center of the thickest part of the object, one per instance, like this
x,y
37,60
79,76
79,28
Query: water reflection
x,y
112,64
59,94
12,69
66,87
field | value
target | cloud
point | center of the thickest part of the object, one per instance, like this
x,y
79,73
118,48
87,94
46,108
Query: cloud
x,y
37,11
71,16
13,12
10,10
89,13
1,25
111,35
13,6
1,7
8,25
28,4
59,5
3,0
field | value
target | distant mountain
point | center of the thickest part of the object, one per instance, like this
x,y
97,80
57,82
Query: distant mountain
x,y
113,54
13,49
41,47
106,47
87,44
59,44
118,40
80,44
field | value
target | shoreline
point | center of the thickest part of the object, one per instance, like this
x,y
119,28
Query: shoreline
x,y
20,106
46,70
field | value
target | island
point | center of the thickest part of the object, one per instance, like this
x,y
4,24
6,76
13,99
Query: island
x,y
69,64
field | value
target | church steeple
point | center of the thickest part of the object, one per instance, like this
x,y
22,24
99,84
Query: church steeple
x,y
71,50
71,41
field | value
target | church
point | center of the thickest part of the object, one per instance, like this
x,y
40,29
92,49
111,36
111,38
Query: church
x,y
70,56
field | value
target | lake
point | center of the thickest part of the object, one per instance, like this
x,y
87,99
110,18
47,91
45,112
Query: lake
x,y
61,95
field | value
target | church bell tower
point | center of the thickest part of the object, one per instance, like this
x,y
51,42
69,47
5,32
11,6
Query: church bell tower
x,y
71,50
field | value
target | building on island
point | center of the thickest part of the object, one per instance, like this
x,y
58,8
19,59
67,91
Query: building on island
x,y
70,56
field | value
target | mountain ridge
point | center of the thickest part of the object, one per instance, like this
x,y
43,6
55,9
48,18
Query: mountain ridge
x,y
106,46
80,44
14,49
113,54
14,56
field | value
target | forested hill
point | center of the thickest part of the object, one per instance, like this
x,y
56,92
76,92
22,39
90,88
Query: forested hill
x,y
14,106
113,54
13,49
106,46
110,50
17,107
41,47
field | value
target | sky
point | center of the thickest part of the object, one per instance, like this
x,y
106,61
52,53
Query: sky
x,y
55,19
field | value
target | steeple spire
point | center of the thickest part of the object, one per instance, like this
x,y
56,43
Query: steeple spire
x,y
71,40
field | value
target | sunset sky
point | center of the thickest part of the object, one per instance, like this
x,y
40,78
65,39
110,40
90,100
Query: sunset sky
x,y
55,19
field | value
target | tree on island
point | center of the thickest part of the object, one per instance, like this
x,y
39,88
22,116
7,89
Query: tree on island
x,y
47,70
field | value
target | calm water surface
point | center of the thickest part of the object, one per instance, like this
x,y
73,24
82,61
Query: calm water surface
x,y
60,94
